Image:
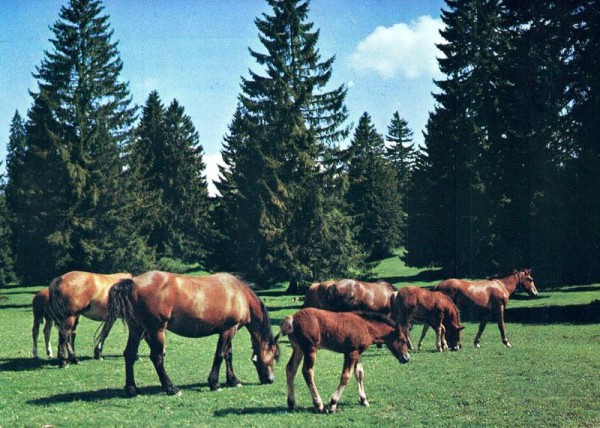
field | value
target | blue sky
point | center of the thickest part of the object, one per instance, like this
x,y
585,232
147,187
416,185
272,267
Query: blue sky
x,y
197,52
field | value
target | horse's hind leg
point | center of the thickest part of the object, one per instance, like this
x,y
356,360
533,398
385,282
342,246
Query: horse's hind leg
x,y
482,325
156,341
359,373
35,331
47,332
100,344
308,371
130,355
290,373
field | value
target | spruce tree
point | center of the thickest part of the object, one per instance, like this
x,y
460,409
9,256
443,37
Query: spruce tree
x,y
289,123
459,133
77,129
373,192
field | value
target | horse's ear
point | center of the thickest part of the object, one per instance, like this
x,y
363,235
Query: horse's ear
x,y
276,339
254,358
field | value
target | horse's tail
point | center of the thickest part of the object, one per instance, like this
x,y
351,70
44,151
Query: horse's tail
x,y
57,304
120,305
287,326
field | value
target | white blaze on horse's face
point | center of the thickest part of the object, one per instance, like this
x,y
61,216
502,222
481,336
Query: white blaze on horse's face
x,y
265,364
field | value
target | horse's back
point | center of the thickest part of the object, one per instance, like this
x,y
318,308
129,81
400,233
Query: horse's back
x,y
194,306
350,295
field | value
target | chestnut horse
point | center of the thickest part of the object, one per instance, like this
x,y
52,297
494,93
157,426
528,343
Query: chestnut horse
x,y
432,308
39,304
488,298
349,333
192,307
350,295
79,293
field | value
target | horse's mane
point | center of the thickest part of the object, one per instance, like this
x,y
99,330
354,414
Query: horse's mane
x,y
504,274
264,327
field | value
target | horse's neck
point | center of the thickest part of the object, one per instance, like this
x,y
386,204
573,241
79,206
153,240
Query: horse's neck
x,y
378,329
510,283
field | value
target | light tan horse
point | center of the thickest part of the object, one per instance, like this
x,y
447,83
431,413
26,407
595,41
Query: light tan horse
x,y
349,333
79,293
190,306
488,298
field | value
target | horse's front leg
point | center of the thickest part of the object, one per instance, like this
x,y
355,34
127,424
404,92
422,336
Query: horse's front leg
x,y
130,355
213,377
103,335
423,333
308,371
502,326
349,364
47,334
290,373
359,372
156,341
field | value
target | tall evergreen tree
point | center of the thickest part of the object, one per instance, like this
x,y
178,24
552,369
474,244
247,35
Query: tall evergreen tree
x,y
288,120
373,192
402,154
167,163
80,121
459,134
7,273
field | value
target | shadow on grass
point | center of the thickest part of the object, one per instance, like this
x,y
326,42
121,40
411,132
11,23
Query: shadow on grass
x,y
113,393
26,364
15,306
570,314
257,411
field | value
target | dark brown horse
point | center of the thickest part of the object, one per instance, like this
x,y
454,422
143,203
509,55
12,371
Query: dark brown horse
x,y
39,304
221,304
487,299
79,293
433,308
349,333
350,295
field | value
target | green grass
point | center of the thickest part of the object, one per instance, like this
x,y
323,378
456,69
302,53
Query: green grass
x,y
549,377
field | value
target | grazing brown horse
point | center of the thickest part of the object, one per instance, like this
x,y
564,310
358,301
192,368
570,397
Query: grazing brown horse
x,y
39,303
350,295
488,298
79,293
221,304
432,308
349,333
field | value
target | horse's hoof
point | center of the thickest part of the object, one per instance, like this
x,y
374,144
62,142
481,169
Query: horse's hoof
x,y
477,345
234,383
63,364
173,391
131,391
364,402
508,345
74,360
291,404
215,387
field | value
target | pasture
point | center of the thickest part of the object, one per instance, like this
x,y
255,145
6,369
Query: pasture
x,y
549,377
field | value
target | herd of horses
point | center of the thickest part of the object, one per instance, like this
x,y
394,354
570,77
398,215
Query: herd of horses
x,y
345,316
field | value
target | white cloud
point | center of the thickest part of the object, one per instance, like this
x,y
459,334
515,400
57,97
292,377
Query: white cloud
x,y
405,49
212,162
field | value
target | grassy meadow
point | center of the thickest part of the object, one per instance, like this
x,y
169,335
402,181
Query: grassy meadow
x,y
549,377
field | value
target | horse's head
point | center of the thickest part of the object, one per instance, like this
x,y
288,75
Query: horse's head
x,y
398,344
266,353
526,281
453,335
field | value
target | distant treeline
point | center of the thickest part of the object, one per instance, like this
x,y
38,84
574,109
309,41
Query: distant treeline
x,y
509,175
